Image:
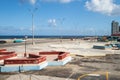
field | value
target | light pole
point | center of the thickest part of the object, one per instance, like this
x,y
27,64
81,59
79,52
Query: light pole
x,y
25,54
32,13
61,22
33,28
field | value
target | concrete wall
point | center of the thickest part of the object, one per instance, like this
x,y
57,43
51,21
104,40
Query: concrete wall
x,y
60,62
20,68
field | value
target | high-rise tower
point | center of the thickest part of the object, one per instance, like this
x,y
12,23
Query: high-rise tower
x,y
115,29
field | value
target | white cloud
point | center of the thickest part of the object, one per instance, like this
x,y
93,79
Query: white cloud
x,y
32,1
65,1
28,1
22,28
60,1
103,6
52,22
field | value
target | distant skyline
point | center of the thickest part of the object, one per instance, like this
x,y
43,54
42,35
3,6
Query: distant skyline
x,y
58,17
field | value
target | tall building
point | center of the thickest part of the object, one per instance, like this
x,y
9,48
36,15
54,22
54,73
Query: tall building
x,y
115,28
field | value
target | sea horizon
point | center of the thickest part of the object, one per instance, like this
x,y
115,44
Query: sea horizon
x,y
43,36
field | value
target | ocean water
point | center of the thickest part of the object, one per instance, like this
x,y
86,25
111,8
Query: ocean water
x,y
22,37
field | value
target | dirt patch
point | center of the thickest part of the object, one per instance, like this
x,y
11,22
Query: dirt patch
x,y
4,76
77,67
55,72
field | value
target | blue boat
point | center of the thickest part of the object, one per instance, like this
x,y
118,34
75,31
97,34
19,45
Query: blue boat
x,y
18,41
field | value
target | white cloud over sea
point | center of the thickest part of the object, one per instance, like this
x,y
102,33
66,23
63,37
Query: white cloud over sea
x,y
107,7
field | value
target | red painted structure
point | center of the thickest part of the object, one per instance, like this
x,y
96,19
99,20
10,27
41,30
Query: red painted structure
x,y
61,55
32,59
1,50
6,55
115,35
50,53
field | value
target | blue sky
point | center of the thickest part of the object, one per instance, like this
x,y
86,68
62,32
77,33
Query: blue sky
x,y
58,17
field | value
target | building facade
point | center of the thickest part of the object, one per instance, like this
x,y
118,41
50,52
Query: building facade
x,y
115,28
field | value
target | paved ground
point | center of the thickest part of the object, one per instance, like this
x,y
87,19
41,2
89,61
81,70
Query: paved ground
x,y
81,64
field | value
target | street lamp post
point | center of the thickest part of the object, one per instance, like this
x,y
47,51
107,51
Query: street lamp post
x,y
25,54
33,28
32,13
61,21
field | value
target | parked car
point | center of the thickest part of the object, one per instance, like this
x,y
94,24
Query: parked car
x,y
118,39
3,41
